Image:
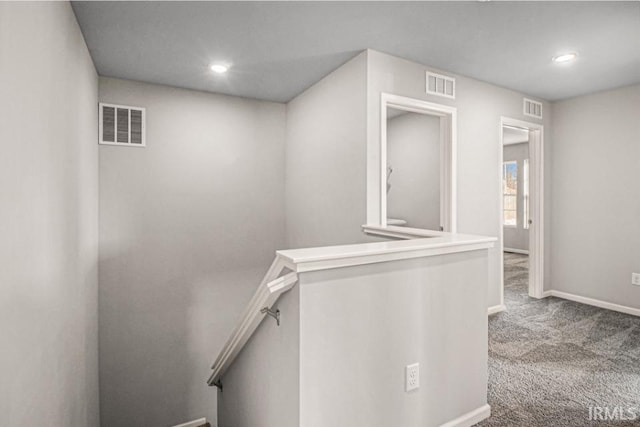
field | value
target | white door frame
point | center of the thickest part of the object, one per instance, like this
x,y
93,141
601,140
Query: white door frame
x,y
536,206
448,142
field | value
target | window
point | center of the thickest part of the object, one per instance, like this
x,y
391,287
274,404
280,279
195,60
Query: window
x,y
525,194
510,193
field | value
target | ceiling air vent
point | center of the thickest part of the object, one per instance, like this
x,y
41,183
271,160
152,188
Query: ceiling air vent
x,y
532,108
122,125
440,85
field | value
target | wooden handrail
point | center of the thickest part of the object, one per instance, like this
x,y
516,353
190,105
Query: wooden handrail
x,y
270,289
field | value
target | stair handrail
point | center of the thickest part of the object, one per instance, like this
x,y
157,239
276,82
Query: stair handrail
x,y
274,284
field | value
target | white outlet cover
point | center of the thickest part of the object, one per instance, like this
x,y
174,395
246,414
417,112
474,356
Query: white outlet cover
x,y
635,279
412,377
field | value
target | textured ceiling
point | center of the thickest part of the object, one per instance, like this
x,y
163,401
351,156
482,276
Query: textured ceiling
x,y
278,49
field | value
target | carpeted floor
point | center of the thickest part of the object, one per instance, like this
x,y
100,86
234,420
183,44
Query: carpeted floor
x,y
551,359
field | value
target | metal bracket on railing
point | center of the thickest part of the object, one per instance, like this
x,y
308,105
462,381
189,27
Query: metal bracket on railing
x,y
218,384
274,314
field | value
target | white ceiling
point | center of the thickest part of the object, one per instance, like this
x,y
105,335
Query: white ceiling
x,y
278,49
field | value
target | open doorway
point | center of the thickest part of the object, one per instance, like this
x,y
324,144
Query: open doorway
x,y
515,211
413,170
521,208
436,126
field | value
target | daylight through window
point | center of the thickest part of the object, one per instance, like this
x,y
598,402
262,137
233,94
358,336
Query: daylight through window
x,y
525,193
510,193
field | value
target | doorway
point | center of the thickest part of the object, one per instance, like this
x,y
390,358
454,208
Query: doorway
x,y
521,208
515,212
442,120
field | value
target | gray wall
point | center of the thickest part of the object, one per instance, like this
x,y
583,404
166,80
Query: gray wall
x,y
360,326
480,106
596,196
413,151
326,159
262,386
188,227
315,368
48,219
517,237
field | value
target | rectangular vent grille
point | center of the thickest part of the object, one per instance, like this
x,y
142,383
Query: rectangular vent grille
x,y
122,125
438,84
532,108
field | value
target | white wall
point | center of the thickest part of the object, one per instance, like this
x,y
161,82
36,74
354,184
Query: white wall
x,y
413,151
188,227
326,159
480,106
517,237
360,327
48,219
596,196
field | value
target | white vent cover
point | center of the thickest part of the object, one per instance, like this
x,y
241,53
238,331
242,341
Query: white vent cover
x,y
532,108
438,84
122,125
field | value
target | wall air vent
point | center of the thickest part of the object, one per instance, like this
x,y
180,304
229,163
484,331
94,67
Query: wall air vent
x,y
532,108
440,85
122,125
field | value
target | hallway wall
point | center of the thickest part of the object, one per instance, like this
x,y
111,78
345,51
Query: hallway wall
x,y
188,227
327,152
326,159
480,106
596,203
48,219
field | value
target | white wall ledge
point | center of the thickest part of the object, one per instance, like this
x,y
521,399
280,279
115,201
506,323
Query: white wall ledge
x,y
402,232
417,243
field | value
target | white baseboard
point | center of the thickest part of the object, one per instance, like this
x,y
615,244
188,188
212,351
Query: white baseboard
x,y
516,251
470,418
546,294
597,303
194,423
496,309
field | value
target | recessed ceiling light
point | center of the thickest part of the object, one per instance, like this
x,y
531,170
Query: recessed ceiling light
x,y
565,57
219,68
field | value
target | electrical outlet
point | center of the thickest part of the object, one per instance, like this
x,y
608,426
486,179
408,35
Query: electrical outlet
x,y
635,279
412,378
